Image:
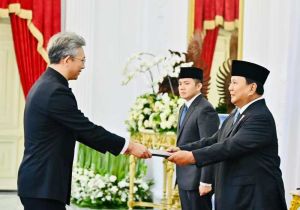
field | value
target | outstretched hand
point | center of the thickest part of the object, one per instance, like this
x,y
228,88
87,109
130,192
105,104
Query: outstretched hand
x,y
182,158
138,150
173,149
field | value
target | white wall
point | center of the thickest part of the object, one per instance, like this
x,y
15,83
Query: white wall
x,y
272,39
114,30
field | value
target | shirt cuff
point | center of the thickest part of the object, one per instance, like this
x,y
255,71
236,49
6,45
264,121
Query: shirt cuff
x,y
205,184
125,147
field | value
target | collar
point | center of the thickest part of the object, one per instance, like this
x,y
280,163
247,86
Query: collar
x,y
58,75
189,102
241,110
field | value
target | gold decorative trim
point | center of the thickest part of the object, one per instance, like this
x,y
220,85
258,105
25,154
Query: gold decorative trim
x,y
27,14
295,202
241,30
170,197
39,36
219,21
191,18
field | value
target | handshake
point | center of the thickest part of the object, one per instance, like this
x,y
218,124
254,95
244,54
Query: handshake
x,y
173,154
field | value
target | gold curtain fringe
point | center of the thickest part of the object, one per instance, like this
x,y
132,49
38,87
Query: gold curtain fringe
x,y
39,36
219,21
27,14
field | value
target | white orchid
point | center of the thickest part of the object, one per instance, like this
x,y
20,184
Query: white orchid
x,y
156,67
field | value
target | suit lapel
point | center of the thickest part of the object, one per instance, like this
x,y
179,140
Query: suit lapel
x,y
236,125
228,126
178,123
188,114
243,117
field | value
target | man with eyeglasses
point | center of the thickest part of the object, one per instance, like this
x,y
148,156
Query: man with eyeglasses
x,y
52,125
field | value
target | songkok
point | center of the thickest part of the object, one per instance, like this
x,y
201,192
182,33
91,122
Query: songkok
x,y
249,70
190,72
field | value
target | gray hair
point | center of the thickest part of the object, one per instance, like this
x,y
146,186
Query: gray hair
x,y
62,45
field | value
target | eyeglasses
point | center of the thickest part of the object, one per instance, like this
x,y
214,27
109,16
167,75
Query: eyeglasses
x,y
83,60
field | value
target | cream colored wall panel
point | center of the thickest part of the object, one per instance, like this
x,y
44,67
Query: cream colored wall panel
x,y
11,111
10,91
8,158
220,55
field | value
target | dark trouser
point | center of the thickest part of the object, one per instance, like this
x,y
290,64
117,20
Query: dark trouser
x,y
42,204
191,200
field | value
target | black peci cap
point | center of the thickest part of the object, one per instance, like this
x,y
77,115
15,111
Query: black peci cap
x,y
249,70
190,72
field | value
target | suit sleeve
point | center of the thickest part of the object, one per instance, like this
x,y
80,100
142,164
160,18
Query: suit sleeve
x,y
63,108
254,134
203,142
208,123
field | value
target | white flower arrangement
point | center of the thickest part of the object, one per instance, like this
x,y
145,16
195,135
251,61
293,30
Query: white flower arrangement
x,y
157,67
156,112
94,190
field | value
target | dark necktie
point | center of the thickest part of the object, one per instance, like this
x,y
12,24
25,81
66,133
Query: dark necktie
x,y
236,116
184,111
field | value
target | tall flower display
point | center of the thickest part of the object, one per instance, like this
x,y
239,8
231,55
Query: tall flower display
x,y
158,110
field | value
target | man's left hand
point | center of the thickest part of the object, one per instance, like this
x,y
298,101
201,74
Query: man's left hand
x,y
203,190
182,158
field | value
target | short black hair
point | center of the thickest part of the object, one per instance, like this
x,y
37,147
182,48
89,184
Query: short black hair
x,y
260,87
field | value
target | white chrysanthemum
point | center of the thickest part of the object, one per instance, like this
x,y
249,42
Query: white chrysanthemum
x,y
147,111
112,178
114,189
108,197
145,186
99,194
122,184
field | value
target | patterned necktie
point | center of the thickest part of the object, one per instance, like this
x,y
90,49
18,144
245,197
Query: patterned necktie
x,y
184,111
236,116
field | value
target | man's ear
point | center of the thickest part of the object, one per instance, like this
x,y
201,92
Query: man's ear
x,y
67,59
199,85
253,88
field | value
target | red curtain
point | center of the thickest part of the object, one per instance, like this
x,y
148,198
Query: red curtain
x,y
33,23
214,13
208,49
209,14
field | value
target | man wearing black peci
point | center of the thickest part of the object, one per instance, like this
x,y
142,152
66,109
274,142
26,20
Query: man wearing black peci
x,y
245,148
197,119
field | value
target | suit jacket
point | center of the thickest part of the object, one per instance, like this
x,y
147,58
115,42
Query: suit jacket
x,y
248,176
52,124
201,120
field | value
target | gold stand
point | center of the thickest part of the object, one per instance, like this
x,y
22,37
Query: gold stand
x,y
295,203
170,199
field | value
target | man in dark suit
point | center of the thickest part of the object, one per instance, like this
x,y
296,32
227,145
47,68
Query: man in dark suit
x,y
197,119
245,148
52,124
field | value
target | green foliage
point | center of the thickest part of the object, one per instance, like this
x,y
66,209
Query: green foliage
x,y
102,180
